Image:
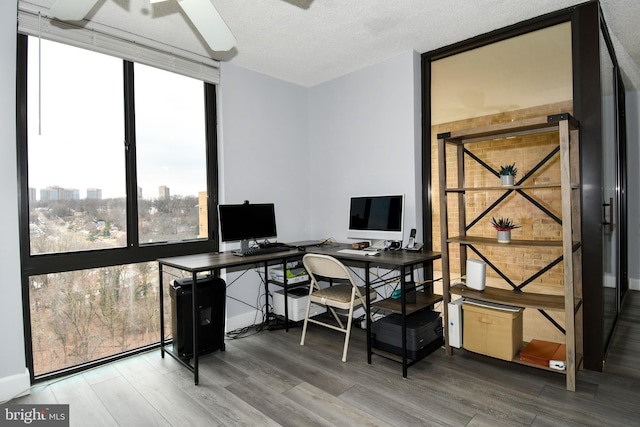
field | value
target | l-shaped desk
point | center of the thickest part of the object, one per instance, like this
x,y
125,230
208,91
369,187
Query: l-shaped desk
x,y
404,261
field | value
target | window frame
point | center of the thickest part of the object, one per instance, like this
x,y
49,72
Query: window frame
x,y
134,252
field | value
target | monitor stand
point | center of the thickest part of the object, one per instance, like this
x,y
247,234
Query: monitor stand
x,y
244,244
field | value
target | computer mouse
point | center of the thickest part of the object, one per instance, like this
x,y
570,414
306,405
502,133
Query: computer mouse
x,y
302,248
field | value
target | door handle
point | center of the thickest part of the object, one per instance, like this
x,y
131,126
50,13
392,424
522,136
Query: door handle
x,y
604,214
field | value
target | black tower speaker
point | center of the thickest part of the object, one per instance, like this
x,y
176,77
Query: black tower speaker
x,y
211,302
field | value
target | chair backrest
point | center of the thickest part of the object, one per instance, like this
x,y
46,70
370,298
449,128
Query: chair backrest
x,y
326,266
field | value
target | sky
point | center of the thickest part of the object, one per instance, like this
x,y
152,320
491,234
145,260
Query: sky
x,y
79,140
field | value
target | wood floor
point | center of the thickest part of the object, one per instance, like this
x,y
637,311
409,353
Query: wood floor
x,y
624,354
268,379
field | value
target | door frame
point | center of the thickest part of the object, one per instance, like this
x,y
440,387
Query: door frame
x,y
621,202
587,108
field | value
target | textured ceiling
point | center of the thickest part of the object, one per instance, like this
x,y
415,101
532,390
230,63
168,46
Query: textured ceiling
x,y
308,42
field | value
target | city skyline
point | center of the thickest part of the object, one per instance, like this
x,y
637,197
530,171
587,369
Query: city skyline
x,y
164,192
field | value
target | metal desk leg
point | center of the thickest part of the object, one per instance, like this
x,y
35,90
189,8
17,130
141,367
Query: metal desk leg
x,y
266,293
286,295
196,320
403,306
161,310
367,310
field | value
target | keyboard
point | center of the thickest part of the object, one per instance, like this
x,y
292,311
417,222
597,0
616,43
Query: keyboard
x,y
358,252
260,251
271,245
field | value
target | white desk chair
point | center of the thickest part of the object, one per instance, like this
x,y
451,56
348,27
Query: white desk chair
x,y
341,295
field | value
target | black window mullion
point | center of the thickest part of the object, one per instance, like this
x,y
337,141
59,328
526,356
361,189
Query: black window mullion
x,y
130,155
23,189
212,159
21,140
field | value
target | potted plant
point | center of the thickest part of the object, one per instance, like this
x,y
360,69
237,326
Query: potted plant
x,y
504,227
508,174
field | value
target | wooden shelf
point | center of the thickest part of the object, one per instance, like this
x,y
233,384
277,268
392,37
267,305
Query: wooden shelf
x,y
501,188
490,241
423,300
289,285
509,297
516,359
568,242
523,127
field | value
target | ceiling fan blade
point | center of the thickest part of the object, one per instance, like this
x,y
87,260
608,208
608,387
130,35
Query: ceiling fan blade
x,y
71,10
209,23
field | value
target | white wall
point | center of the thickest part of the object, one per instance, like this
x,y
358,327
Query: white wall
x,y
264,157
633,192
363,140
263,142
14,377
308,150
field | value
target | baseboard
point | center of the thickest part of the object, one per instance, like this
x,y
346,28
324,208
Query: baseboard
x,y
634,284
15,386
609,281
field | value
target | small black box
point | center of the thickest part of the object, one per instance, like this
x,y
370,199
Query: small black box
x,y
424,333
211,304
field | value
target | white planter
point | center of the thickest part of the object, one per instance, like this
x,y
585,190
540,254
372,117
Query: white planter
x,y
507,180
504,236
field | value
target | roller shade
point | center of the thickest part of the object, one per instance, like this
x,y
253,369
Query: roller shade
x,y
111,41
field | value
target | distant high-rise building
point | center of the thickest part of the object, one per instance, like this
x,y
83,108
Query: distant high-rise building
x,y
55,192
47,194
32,194
139,193
163,193
70,194
94,193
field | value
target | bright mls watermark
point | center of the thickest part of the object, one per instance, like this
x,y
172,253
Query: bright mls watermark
x,y
34,415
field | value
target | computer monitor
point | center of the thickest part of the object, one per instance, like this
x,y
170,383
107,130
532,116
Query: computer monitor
x,y
247,222
376,218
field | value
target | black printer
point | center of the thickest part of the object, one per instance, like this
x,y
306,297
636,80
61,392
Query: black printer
x,y
424,333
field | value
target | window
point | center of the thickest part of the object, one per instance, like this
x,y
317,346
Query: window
x,y
85,315
171,157
117,164
75,151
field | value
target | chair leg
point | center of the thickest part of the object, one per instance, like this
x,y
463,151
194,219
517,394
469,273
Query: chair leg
x,y
347,334
306,321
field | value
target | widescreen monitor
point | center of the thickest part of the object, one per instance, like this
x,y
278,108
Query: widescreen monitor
x,y
376,218
247,222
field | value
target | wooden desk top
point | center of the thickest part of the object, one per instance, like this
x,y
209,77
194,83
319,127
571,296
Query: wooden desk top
x,y
208,261
397,258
